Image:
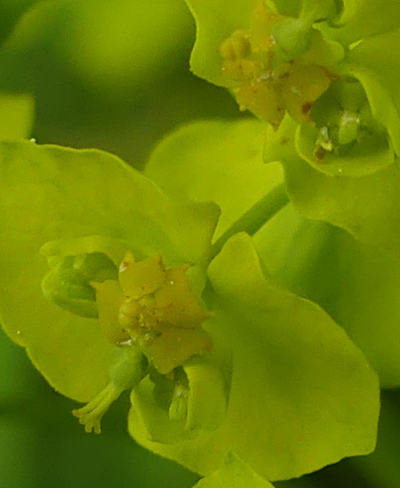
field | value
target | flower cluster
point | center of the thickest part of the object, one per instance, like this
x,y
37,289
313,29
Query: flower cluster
x,y
217,289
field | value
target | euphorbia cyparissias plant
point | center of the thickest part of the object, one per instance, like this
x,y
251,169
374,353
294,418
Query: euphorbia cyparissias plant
x,y
111,285
230,374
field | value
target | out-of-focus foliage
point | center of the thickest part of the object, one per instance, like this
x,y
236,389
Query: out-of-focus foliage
x,y
10,13
117,80
16,116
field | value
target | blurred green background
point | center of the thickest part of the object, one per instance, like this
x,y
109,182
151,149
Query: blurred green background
x,y
114,75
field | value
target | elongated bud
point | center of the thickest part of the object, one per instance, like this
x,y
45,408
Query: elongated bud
x,y
95,267
68,283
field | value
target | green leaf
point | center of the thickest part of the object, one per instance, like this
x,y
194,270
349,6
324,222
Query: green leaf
x,y
16,116
49,193
367,207
212,161
357,285
302,395
216,20
233,474
363,18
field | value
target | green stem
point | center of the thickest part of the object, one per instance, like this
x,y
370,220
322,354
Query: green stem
x,y
255,217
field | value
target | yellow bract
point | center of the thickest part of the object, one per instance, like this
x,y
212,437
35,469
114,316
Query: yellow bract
x,y
301,88
142,278
109,299
174,346
155,309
